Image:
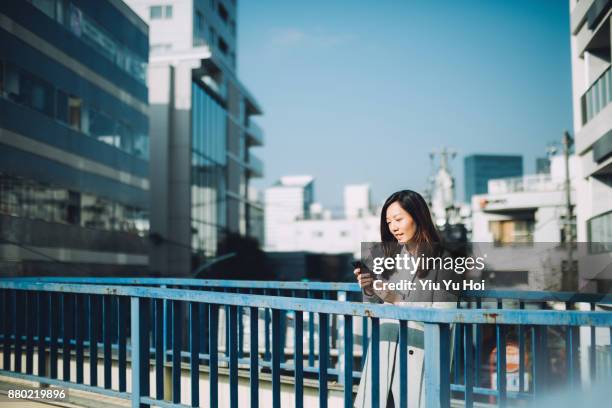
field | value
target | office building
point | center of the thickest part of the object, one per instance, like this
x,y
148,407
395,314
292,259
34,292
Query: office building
x,y
202,133
480,168
590,22
74,145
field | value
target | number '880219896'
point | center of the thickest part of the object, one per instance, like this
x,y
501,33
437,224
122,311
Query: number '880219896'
x,y
43,393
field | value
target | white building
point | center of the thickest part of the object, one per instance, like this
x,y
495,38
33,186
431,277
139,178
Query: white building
x,y
591,38
357,201
530,208
295,223
284,203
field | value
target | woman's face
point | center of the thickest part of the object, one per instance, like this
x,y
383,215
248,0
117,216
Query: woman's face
x,y
400,223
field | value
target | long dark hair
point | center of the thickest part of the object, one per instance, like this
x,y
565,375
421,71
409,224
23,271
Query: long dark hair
x,y
426,239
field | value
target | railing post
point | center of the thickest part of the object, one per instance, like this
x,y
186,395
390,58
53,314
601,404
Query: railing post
x,y
340,338
437,365
136,345
323,358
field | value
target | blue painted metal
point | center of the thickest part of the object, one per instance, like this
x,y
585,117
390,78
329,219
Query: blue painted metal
x,y
159,349
254,355
437,365
177,320
267,320
93,339
213,379
532,296
6,333
143,356
80,328
458,340
54,332
323,358
62,331
298,357
42,330
233,355
375,349
500,332
204,313
18,328
403,363
593,351
68,322
521,345
468,366
122,313
276,361
194,349
348,361
240,333
30,323
107,319
311,330
136,346
533,317
30,328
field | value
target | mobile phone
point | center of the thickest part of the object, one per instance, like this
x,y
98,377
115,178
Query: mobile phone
x,y
357,264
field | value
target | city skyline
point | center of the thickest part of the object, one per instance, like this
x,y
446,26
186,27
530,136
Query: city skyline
x,y
483,77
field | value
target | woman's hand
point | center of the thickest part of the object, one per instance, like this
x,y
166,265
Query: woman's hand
x,y
365,281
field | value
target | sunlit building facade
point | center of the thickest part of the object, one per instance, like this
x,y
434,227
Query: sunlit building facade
x,y
74,147
202,134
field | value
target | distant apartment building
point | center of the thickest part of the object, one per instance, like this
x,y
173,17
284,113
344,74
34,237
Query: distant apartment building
x,y
202,133
591,34
295,223
524,209
480,168
74,143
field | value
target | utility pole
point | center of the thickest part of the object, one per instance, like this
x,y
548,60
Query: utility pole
x,y
569,278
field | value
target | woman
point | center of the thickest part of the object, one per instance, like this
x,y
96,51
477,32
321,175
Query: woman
x,y
406,227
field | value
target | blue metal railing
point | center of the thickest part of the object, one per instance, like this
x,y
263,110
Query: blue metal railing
x,y
138,321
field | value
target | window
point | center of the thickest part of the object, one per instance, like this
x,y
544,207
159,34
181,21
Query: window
x,y
46,6
61,110
155,12
223,46
222,12
198,29
599,230
36,93
160,12
74,112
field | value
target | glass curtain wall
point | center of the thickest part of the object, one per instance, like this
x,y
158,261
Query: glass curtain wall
x,y
208,173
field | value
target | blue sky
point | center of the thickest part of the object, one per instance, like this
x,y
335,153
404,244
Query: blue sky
x,y
361,91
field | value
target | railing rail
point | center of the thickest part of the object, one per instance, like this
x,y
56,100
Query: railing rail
x,y
348,287
148,324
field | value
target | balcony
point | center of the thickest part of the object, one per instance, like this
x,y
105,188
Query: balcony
x,y
255,134
529,183
255,165
191,342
